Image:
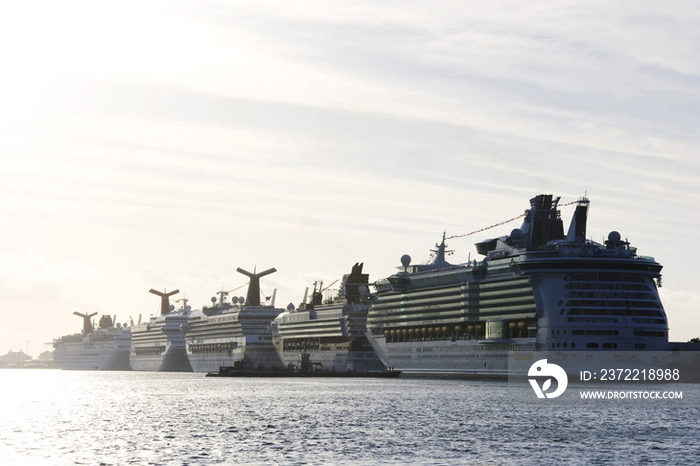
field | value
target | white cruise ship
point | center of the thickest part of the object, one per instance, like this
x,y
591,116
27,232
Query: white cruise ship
x,y
330,329
230,332
159,345
103,348
537,289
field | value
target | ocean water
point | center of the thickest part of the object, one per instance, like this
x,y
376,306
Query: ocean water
x,y
53,417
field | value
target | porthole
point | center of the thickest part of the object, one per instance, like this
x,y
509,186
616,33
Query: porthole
x,y
564,345
557,345
573,345
561,312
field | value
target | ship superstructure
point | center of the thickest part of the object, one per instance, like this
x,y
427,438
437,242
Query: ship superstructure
x,y
103,348
329,331
229,332
537,289
159,344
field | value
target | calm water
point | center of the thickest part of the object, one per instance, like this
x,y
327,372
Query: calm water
x,y
55,417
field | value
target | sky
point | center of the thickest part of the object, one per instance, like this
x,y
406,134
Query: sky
x,y
165,144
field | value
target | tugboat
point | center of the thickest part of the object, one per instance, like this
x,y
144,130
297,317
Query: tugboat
x,y
306,368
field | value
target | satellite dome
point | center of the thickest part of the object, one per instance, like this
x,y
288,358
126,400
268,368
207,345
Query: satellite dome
x,y
614,237
405,261
290,307
516,235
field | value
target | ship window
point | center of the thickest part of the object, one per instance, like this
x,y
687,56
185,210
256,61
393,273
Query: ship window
x,y
592,345
561,312
573,345
642,333
640,346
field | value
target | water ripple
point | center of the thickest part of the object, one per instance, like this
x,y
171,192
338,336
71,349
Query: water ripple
x,y
184,419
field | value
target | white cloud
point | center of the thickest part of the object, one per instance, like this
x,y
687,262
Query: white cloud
x,y
682,307
183,140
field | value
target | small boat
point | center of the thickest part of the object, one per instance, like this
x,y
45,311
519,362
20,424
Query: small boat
x,y
247,369
227,371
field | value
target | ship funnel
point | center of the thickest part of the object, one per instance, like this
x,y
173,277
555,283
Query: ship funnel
x,y
253,295
353,282
543,222
164,299
577,229
107,322
87,325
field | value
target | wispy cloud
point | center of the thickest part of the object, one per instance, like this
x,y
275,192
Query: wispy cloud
x,y
174,142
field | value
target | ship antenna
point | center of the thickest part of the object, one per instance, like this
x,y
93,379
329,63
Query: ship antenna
x,y
164,299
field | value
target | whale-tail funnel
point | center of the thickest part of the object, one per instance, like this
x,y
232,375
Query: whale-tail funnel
x,y
253,296
87,325
164,299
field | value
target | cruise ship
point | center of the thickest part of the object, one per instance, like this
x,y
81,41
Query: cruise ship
x,y
330,329
103,348
537,289
159,345
229,332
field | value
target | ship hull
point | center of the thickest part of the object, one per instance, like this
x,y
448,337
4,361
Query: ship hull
x,y
94,356
160,344
476,360
172,359
207,355
445,358
333,356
